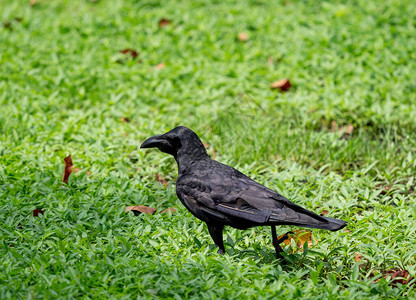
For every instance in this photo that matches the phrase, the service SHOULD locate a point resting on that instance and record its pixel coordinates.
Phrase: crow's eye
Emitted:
(176, 142)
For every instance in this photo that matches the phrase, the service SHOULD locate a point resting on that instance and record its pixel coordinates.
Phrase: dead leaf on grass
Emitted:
(138, 209)
(36, 212)
(283, 85)
(346, 130)
(242, 36)
(396, 276)
(68, 168)
(161, 179)
(125, 120)
(300, 237)
(358, 257)
(164, 22)
(130, 52)
(324, 212)
(160, 66)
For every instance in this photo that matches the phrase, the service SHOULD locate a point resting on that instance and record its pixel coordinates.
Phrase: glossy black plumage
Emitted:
(220, 195)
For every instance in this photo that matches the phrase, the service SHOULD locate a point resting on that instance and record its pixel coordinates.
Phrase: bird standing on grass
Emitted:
(220, 195)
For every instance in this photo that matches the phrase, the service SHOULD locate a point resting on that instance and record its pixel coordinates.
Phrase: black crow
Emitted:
(220, 195)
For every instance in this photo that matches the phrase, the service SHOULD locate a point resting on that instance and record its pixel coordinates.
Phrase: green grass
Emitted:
(62, 92)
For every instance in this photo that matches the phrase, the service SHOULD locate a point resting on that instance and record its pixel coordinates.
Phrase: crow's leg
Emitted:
(216, 233)
(277, 242)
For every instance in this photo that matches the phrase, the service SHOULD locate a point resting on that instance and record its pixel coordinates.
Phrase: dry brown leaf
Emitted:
(300, 237)
(125, 120)
(68, 168)
(138, 209)
(172, 209)
(348, 129)
(242, 36)
(160, 66)
(385, 190)
(334, 126)
(324, 212)
(358, 257)
(396, 276)
(36, 212)
(161, 179)
(130, 52)
(282, 84)
(164, 22)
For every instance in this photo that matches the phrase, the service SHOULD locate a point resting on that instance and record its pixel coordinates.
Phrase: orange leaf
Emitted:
(300, 237)
(242, 36)
(138, 209)
(161, 179)
(164, 22)
(282, 84)
(160, 66)
(68, 168)
(358, 257)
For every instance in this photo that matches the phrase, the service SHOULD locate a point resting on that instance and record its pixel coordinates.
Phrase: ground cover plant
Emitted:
(95, 78)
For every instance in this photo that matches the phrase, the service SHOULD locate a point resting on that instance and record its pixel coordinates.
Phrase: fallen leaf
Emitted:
(300, 237)
(396, 276)
(385, 189)
(164, 22)
(334, 126)
(36, 212)
(130, 52)
(68, 168)
(160, 66)
(324, 212)
(125, 120)
(358, 257)
(161, 179)
(172, 209)
(346, 130)
(242, 36)
(138, 209)
(282, 84)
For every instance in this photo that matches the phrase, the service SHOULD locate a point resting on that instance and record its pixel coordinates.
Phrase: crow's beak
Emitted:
(154, 142)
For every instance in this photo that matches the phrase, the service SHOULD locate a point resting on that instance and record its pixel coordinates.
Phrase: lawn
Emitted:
(341, 141)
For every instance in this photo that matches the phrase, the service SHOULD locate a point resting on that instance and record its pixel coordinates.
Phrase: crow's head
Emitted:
(180, 141)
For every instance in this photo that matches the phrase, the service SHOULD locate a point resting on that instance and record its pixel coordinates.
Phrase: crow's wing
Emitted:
(236, 196)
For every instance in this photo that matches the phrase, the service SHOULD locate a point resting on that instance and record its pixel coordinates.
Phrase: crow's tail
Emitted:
(330, 224)
(296, 215)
